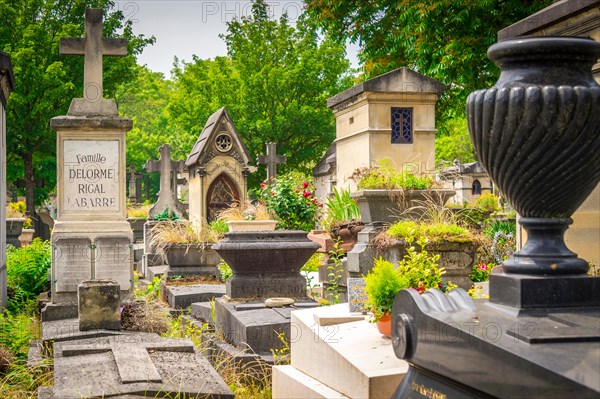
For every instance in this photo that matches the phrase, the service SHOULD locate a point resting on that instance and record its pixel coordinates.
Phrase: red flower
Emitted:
(263, 184)
(304, 185)
(272, 194)
(297, 190)
(305, 194)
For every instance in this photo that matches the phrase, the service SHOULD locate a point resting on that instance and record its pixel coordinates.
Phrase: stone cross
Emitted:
(133, 175)
(167, 198)
(271, 160)
(131, 355)
(93, 46)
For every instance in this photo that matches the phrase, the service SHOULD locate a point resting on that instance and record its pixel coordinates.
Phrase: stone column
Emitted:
(6, 85)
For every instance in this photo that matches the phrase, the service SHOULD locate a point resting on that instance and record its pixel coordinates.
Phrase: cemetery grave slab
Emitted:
(352, 358)
(251, 324)
(147, 366)
(182, 296)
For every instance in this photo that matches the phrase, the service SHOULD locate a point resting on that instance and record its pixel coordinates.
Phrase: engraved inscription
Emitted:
(91, 175)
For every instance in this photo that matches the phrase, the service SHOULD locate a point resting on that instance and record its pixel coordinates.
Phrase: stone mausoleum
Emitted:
(469, 180)
(218, 169)
(393, 116)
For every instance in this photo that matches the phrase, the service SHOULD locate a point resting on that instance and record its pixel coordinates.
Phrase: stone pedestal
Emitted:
(329, 360)
(91, 238)
(99, 305)
(266, 263)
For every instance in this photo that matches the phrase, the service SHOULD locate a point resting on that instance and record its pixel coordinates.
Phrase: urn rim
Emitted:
(536, 48)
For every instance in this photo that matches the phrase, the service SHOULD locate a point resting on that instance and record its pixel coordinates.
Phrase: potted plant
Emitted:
(15, 218)
(136, 216)
(385, 193)
(342, 218)
(417, 270)
(480, 276)
(186, 249)
(26, 233)
(248, 217)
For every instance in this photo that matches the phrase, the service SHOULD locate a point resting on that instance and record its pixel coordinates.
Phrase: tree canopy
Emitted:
(443, 39)
(275, 83)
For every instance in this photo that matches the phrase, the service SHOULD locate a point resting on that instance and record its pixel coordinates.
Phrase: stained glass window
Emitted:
(402, 126)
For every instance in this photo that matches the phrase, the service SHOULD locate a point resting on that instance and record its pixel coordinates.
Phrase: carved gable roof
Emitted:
(209, 142)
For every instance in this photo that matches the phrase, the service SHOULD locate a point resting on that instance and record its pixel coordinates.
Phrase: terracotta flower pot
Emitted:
(384, 324)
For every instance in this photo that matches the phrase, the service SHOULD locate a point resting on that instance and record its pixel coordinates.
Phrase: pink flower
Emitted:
(263, 184)
(483, 266)
(304, 185)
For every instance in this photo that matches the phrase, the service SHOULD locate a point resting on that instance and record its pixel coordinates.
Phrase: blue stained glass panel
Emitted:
(402, 126)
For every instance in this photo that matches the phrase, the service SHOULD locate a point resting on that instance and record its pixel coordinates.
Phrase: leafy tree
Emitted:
(444, 39)
(45, 81)
(286, 75)
(456, 144)
(144, 99)
(274, 83)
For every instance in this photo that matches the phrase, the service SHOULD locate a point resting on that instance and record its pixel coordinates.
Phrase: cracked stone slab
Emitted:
(136, 365)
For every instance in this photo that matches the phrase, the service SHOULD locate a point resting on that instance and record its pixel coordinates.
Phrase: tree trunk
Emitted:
(29, 185)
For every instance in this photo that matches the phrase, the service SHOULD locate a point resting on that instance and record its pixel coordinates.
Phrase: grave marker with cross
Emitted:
(93, 47)
(91, 175)
(271, 160)
(167, 198)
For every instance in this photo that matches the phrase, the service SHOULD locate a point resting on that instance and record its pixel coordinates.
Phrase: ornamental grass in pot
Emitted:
(342, 218)
(247, 216)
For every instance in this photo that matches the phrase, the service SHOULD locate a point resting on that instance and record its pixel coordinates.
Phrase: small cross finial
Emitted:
(93, 46)
(271, 160)
(166, 196)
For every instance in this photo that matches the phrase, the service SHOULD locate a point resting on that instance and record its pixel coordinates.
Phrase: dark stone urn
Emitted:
(537, 133)
(266, 263)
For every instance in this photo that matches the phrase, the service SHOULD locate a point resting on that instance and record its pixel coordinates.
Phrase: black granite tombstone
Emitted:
(537, 133)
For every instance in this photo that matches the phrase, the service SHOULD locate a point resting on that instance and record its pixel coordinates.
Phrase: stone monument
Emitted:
(271, 160)
(391, 115)
(536, 132)
(218, 169)
(91, 238)
(167, 197)
(6, 85)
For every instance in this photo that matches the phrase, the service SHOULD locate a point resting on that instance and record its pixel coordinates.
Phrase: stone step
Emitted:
(291, 383)
(182, 296)
(352, 358)
(156, 271)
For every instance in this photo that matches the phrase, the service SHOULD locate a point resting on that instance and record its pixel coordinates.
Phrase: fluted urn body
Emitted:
(537, 133)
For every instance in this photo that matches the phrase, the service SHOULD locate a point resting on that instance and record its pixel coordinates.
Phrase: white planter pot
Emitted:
(251, 225)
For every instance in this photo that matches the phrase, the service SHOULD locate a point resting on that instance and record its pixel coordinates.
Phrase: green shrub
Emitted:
(166, 214)
(385, 175)
(383, 282)
(27, 272)
(434, 232)
(420, 269)
(294, 205)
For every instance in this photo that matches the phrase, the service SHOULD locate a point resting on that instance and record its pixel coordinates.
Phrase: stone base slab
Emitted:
(351, 358)
(530, 292)
(250, 324)
(182, 296)
(291, 383)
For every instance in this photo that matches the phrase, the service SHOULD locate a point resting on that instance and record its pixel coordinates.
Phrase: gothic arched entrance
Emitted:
(221, 194)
